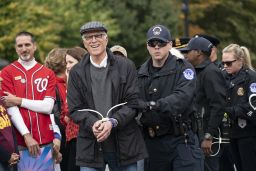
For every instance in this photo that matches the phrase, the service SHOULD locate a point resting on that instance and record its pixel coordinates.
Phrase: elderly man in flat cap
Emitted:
(100, 81)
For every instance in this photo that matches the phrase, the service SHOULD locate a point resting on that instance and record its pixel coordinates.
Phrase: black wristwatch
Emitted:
(208, 136)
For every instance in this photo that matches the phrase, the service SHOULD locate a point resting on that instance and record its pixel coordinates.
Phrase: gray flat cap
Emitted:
(91, 26)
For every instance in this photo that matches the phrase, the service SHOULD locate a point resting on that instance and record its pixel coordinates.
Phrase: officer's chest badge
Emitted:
(240, 91)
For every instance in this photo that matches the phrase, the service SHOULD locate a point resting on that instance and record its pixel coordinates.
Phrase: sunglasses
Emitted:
(159, 43)
(228, 63)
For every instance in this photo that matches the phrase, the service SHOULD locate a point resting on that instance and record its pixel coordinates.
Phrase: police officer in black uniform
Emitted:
(214, 53)
(210, 96)
(167, 87)
(241, 81)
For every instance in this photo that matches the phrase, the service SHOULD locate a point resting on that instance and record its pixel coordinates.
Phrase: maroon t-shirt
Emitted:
(7, 146)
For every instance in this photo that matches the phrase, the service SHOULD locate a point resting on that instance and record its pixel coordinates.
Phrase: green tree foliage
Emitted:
(54, 23)
(230, 22)
(19, 16)
(136, 17)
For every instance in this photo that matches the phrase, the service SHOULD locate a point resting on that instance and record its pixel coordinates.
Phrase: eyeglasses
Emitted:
(159, 43)
(228, 63)
(90, 37)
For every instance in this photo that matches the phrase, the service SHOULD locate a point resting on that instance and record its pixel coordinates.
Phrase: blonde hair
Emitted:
(241, 53)
(55, 60)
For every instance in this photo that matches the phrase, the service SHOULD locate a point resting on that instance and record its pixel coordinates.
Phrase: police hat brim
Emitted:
(158, 38)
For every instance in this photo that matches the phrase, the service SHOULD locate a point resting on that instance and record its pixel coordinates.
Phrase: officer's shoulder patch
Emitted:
(188, 74)
(253, 87)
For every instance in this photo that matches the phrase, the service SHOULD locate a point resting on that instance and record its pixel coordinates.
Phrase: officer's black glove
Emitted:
(231, 113)
(147, 106)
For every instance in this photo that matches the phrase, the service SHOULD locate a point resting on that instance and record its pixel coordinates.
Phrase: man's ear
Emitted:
(35, 46)
(170, 43)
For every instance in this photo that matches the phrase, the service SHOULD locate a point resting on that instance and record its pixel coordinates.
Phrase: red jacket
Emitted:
(72, 129)
(35, 84)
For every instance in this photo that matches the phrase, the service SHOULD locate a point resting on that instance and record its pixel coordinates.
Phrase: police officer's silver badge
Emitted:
(242, 123)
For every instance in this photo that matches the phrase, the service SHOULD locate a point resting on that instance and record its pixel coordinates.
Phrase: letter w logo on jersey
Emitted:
(41, 84)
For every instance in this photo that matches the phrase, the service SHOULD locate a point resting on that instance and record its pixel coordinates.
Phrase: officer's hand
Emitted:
(104, 134)
(32, 145)
(142, 105)
(206, 146)
(147, 106)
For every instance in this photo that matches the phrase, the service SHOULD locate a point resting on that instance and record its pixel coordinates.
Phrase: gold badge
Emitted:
(240, 91)
(151, 132)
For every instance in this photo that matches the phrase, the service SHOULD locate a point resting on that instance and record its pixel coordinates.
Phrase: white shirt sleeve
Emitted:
(55, 127)
(42, 106)
(17, 120)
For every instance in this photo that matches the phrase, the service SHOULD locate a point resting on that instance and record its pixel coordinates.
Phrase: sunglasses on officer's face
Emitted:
(228, 63)
(159, 43)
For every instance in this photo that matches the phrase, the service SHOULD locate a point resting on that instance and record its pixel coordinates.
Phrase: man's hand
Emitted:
(104, 134)
(97, 128)
(56, 150)
(56, 144)
(11, 100)
(14, 159)
(206, 147)
(32, 145)
(66, 119)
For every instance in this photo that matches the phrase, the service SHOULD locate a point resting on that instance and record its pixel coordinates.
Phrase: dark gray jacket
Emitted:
(128, 138)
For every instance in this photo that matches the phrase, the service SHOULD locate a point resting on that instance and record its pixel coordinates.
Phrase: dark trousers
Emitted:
(170, 153)
(244, 152)
(226, 158)
(71, 156)
(211, 163)
(6, 167)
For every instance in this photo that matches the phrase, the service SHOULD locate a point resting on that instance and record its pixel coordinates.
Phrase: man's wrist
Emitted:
(26, 135)
(57, 136)
(114, 122)
(19, 101)
(208, 136)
